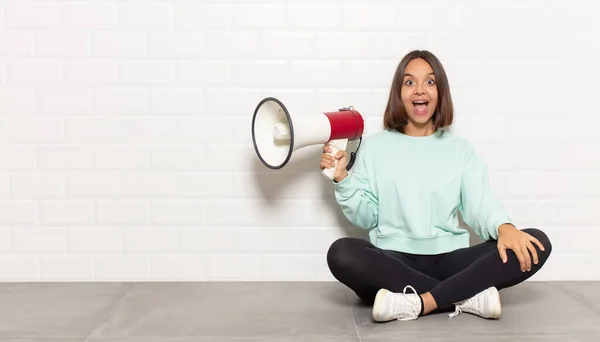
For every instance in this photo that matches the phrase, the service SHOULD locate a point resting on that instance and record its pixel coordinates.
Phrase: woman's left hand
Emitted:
(509, 237)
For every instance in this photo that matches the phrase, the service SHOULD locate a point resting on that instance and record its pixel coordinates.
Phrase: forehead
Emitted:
(418, 67)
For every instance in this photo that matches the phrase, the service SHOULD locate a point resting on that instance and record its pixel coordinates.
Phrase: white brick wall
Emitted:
(125, 149)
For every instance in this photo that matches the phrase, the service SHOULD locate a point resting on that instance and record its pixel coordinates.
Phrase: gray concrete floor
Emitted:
(185, 312)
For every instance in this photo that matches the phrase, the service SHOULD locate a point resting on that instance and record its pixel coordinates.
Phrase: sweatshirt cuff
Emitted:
(500, 220)
(343, 185)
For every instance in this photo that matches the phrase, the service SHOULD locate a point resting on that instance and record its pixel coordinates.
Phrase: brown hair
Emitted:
(395, 116)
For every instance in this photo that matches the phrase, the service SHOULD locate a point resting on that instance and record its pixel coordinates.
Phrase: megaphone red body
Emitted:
(276, 136)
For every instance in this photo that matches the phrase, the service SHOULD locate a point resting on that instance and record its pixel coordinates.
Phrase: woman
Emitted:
(406, 188)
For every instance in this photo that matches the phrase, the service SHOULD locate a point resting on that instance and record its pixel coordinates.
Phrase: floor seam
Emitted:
(110, 312)
(576, 298)
(352, 314)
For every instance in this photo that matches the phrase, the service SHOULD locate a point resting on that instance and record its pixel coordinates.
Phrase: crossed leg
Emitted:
(440, 279)
(466, 272)
(366, 269)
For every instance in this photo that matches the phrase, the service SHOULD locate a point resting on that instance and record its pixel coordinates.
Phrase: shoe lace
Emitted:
(410, 305)
(473, 302)
(455, 313)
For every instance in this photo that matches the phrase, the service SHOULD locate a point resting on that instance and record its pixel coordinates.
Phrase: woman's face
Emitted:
(419, 92)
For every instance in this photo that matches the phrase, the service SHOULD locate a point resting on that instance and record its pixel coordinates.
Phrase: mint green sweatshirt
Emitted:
(406, 191)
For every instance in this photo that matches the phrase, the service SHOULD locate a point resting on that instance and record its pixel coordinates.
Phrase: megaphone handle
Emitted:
(336, 146)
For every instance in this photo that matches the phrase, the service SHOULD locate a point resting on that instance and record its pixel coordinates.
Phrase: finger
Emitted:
(327, 157)
(502, 252)
(526, 256)
(340, 154)
(537, 242)
(533, 252)
(520, 257)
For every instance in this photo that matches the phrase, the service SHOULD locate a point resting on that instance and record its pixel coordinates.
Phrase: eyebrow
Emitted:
(411, 75)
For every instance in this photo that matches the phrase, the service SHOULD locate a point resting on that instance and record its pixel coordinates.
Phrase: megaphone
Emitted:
(276, 136)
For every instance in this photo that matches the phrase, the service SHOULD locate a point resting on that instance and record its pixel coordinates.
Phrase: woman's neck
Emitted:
(419, 131)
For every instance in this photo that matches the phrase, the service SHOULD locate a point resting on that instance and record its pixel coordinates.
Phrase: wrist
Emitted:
(505, 227)
(340, 178)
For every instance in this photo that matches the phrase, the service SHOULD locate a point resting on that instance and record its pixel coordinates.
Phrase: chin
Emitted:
(421, 118)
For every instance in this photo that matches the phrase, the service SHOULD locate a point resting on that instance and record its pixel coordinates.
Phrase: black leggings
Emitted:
(449, 277)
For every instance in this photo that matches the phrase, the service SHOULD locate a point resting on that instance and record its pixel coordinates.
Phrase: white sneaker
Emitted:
(396, 306)
(485, 304)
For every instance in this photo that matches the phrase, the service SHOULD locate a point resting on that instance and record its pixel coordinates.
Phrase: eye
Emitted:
(431, 82)
(409, 82)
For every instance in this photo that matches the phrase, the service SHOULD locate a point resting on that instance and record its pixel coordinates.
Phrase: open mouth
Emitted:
(421, 107)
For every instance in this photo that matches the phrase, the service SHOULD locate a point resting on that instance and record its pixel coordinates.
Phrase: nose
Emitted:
(419, 89)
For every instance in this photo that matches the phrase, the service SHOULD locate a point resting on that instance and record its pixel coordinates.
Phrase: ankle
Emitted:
(428, 303)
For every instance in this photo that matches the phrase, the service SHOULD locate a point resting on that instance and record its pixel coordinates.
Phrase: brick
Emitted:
(232, 44)
(46, 240)
(17, 157)
(314, 16)
(121, 157)
(145, 15)
(175, 44)
(177, 158)
(96, 240)
(177, 101)
(67, 268)
(178, 212)
(132, 101)
(67, 212)
(37, 185)
(64, 157)
(151, 240)
(191, 15)
(118, 44)
(147, 184)
(207, 240)
(370, 17)
(342, 45)
(17, 100)
(122, 212)
(206, 129)
(276, 44)
(90, 129)
(4, 240)
(232, 267)
(91, 72)
(440, 15)
(31, 15)
(192, 72)
(61, 101)
(263, 15)
(238, 100)
(149, 129)
(34, 129)
(315, 73)
(33, 72)
(93, 184)
(66, 44)
(147, 72)
(16, 44)
(88, 15)
(119, 267)
(19, 268)
(264, 73)
(4, 188)
(178, 267)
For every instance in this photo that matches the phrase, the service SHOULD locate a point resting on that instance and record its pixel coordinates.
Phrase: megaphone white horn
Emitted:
(276, 136)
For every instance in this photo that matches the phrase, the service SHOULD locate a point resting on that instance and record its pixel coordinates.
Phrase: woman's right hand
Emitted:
(327, 161)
